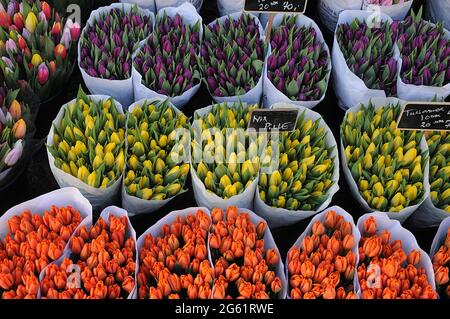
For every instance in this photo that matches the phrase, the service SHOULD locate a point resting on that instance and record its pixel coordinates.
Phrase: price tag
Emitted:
(425, 116)
(276, 6)
(282, 120)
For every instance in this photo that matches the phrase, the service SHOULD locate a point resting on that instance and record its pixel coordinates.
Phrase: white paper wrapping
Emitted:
(321, 217)
(191, 17)
(133, 204)
(208, 199)
(329, 11)
(409, 242)
(155, 231)
(271, 93)
(121, 90)
(438, 10)
(278, 217)
(349, 88)
(230, 6)
(410, 92)
(99, 198)
(254, 95)
(88, 222)
(161, 4)
(144, 4)
(439, 239)
(404, 213)
(396, 11)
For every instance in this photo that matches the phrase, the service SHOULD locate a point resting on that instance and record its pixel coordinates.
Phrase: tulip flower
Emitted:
(154, 167)
(43, 74)
(167, 269)
(232, 56)
(255, 277)
(424, 51)
(369, 53)
(231, 175)
(41, 244)
(107, 45)
(387, 164)
(383, 274)
(168, 60)
(299, 63)
(441, 267)
(88, 143)
(303, 178)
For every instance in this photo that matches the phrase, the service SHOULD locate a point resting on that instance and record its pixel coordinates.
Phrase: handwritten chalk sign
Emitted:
(276, 6)
(425, 116)
(282, 120)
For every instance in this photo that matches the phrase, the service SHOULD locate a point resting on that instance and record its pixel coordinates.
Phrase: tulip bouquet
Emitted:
(306, 175)
(299, 66)
(166, 65)
(154, 172)
(37, 45)
(439, 146)
(87, 142)
(441, 260)
(385, 165)
(323, 263)
(370, 53)
(232, 58)
(388, 271)
(246, 261)
(424, 49)
(225, 160)
(104, 254)
(32, 242)
(13, 129)
(174, 260)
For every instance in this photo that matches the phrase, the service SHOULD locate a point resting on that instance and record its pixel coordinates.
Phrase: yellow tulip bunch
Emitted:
(154, 168)
(387, 164)
(89, 141)
(305, 170)
(439, 146)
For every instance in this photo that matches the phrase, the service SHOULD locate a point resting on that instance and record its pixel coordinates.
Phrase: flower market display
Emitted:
(104, 253)
(324, 265)
(154, 169)
(299, 66)
(441, 260)
(38, 47)
(439, 147)
(32, 242)
(244, 266)
(232, 57)
(173, 259)
(370, 53)
(166, 64)
(386, 165)
(387, 270)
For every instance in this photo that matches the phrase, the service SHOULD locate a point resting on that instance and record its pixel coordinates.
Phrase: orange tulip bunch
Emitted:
(441, 266)
(243, 267)
(385, 271)
(32, 243)
(102, 264)
(175, 264)
(324, 266)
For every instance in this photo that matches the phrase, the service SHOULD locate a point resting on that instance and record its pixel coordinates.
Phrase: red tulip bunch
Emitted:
(324, 266)
(385, 271)
(102, 264)
(32, 243)
(243, 267)
(175, 264)
(441, 266)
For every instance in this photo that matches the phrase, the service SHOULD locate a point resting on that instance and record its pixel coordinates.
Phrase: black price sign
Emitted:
(425, 116)
(276, 6)
(282, 120)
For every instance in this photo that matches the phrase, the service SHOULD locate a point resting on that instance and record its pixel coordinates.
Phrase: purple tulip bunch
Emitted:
(298, 65)
(369, 53)
(232, 56)
(168, 60)
(108, 44)
(425, 52)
